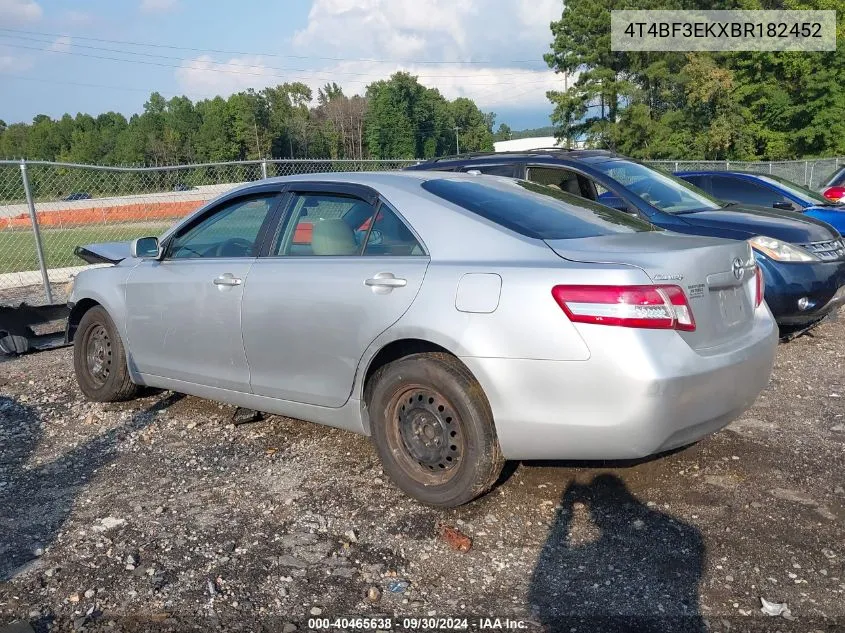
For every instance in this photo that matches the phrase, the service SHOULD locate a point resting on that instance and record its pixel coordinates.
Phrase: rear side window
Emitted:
(494, 170)
(535, 210)
(744, 191)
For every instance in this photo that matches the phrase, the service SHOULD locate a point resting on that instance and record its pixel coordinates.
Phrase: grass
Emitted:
(17, 247)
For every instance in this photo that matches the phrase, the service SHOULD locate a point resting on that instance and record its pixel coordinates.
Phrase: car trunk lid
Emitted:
(716, 275)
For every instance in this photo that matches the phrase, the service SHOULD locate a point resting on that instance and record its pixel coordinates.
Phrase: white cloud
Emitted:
(204, 76)
(158, 6)
(61, 44)
(12, 63)
(441, 30)
(19, 11)
(498, 44)
(489, 87)
(78, 18)
(494, 49)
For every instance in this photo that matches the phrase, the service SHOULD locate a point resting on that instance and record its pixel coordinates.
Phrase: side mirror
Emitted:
(786, 206)
(147, 247)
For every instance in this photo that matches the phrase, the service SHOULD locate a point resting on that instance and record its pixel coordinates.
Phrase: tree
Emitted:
(475, 128)
(744, 105)
(504, 133)
(397, 117)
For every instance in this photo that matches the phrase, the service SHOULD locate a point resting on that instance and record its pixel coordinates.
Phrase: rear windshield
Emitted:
(535, 210)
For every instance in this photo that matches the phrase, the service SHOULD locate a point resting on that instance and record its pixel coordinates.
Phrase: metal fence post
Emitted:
(806, 165)
(264, 168)
(39, 248)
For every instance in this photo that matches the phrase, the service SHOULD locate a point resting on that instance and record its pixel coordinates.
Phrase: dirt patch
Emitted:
(159, 514)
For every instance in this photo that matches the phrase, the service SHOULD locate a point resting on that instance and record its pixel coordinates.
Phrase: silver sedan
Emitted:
(460, 320)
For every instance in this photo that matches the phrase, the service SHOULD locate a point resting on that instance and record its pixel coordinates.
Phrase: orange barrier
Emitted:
(142, 212)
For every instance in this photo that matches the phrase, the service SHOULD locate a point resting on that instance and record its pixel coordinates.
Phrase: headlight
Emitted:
(781, 251)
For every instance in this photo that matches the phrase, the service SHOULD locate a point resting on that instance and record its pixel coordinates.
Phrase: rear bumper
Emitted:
(641, 392)
(823, 284)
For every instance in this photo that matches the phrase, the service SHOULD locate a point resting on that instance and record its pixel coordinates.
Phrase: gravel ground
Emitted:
(159, 514)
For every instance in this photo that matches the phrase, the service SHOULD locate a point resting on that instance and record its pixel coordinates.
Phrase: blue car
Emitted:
(767, 191)
(802, 258)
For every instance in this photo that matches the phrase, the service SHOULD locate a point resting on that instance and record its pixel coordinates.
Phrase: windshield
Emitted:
(797, 190)
(660, 190)
(534, 210)
(838, 179)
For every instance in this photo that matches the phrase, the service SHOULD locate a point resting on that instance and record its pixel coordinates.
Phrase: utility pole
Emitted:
(457, 140)
(257, 144)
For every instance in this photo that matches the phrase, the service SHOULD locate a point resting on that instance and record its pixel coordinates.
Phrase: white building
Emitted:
(534, 142)
(524, 144)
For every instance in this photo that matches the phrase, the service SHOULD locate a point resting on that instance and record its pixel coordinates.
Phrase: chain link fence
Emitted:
(48, 209)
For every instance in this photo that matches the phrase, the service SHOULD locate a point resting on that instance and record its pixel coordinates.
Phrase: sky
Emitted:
(94, 56)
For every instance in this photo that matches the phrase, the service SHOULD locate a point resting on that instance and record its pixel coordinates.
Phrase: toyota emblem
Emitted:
(738, 268)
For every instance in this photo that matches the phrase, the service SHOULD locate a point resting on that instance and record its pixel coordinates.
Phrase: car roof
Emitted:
(408, 180)
(718, 172)
(551, 155)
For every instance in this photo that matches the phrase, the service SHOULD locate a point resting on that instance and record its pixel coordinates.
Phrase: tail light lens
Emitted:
(654, 307)
(834, 193)
(759, 286)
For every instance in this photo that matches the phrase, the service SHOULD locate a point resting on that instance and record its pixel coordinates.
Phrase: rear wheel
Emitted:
(99, 359)
(433, 429)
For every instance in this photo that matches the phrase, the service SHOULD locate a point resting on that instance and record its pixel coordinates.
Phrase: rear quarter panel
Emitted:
(526, 324)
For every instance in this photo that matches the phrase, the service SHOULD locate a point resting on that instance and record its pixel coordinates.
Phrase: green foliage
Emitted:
(407, 120)
(743, 106)
(398, 118)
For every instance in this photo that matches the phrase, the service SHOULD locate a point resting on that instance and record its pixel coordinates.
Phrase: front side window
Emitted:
(535, 210)
(325, 225)
(231, 231)
(658, 189)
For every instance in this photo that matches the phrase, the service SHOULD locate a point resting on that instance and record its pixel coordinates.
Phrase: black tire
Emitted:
(433, 429)
(99, 359)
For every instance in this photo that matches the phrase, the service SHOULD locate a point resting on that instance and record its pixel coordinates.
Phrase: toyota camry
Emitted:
(459, 320)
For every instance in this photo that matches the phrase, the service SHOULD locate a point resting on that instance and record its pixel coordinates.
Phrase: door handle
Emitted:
(227, 279)
(385, 282)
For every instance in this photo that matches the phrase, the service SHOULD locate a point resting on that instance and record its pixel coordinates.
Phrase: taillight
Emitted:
(834, 193)
(759, 286)
(656, 307)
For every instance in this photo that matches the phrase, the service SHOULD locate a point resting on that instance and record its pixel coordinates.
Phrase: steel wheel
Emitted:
(426, 435)
(98, 354)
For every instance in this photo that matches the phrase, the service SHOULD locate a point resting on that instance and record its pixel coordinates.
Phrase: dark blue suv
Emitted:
(803, 259)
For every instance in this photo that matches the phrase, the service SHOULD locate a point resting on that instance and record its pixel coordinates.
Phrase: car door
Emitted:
(342, 268)
(183, 311)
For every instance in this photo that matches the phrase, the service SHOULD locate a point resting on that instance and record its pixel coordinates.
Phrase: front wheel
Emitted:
(99, 359)
(433, 429)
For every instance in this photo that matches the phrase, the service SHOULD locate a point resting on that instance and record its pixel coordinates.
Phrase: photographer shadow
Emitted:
(36, 501)
(611, 564)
